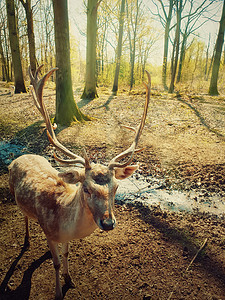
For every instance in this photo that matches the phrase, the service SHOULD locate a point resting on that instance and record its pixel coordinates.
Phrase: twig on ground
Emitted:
(188, 267)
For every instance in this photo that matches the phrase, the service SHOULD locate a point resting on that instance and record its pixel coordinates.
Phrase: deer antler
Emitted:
(37, 93)
(132, 149)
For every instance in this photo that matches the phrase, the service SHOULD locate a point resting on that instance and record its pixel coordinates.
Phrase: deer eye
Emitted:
(85, 189)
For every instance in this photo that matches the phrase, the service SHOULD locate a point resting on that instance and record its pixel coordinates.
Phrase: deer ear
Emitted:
(122, 173)
(72, 176)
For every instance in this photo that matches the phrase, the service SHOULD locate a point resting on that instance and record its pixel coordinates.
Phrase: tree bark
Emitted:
(210, 65)
(7, 46)
(90, 91)
(119, 48)
(182, 56)
(132, 42)
(15, 49)
(30, 33)
(177, 42)
(166, 44)
(66, 108)
(207, 59)
(213, 90)
(5, 72)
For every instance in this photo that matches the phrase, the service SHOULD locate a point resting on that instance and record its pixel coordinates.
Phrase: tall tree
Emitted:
(207, 58)
(213, 90)
(90, 91)
(146, 40)
(15, 49)
(30, 33)
(168, 17)
(4, 44)
(176, 44)
(192, 23)
(66, 108)
(164, 13)
(119, 47)
(133, 16)
(101, 48)
(5, 72)
(46, 35)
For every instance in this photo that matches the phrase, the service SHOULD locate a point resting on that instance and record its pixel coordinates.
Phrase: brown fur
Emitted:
(65, 211)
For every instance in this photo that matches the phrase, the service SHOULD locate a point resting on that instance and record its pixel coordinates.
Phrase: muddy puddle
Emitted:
(154, 193)
(137, 188)
(9, 151)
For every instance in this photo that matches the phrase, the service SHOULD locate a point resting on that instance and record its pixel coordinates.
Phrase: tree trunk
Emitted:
(173, 57)
(90, 91)
(177, 41)
(210, 65)
(5, 72)
(182, 56)
(8, 62)
(196, 64)
(166, 44)
(224, 55)
(119, 48)
(66, 108)
(213, 90)
(30, 33)
(207, 59)
(15, 50)
(132, 42)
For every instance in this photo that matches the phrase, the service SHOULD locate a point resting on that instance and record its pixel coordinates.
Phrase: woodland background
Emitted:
(147, 256)
(188, 28)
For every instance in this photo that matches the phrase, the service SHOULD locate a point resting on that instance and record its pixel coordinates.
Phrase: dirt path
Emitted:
(147, 254)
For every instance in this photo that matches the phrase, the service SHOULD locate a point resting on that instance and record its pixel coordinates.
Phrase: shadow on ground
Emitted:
(157, 219)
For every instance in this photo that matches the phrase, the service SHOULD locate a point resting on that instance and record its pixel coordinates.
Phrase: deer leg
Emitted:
(56, 262)
(27, 236)
(66, 274)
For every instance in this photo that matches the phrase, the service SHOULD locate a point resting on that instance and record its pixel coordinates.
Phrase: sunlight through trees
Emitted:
(112, 43)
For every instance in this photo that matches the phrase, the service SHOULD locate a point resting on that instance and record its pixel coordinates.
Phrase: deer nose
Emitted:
(108, 224)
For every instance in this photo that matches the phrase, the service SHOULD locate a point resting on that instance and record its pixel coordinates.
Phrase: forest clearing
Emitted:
(146, 255)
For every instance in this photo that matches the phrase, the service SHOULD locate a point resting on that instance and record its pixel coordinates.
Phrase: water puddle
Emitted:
(154, 193)
(9, 151)
(139, 189)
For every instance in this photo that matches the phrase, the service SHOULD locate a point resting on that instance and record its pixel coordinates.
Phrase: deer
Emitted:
(70, 204)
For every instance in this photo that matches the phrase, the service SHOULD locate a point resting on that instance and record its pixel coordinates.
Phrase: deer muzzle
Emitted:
(108, 224)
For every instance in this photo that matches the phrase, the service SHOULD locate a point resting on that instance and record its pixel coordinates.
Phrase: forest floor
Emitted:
(148, 254)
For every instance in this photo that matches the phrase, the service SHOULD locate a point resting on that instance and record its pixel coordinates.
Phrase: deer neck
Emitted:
(79, 219)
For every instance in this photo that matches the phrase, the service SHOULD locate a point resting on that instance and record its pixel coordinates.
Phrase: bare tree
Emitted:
(4, 46)
(164, 13)
(90, 91)
(103, 20)
(207, 58)
(176, 45)
(192, 23)
(167, 22)
(45, 37)
(134, 14)
(15, 49)
(66, 108)
(48, 47)
(5, 73)
(30, 33)
(119, 47)
(213, 90)
(4, 56)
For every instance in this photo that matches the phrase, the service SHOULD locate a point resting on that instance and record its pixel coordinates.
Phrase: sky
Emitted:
(77, 17)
